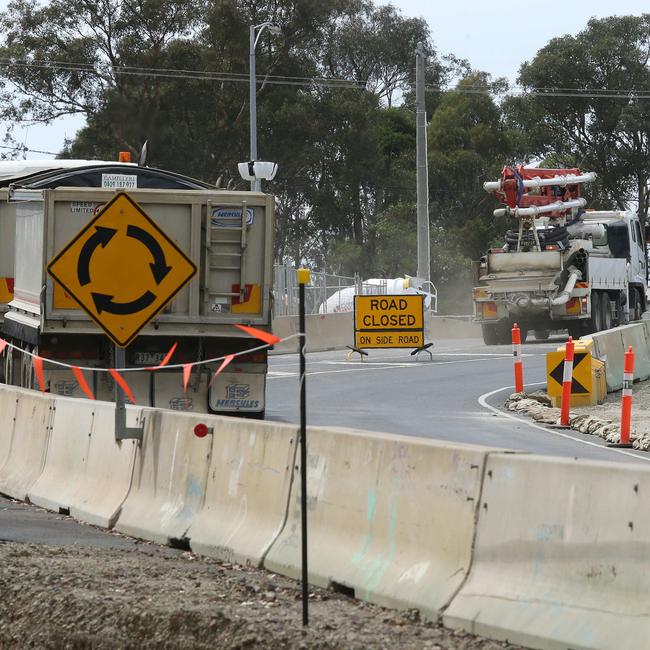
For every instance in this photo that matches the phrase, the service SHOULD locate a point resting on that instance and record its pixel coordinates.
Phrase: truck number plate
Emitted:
(148, 358)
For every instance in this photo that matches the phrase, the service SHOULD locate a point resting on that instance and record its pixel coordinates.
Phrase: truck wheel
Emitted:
(636, 305)
(490, 334)
(595, 322)
(606, 311)
(542, 335)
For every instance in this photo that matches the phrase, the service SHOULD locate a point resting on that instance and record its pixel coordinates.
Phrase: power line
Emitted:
(23, 149)
(627, 94)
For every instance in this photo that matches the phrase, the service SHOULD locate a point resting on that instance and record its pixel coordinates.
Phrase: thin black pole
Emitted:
(303, 454)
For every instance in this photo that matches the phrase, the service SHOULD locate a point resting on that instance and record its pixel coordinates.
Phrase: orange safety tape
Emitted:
(38, 369)
(83, 384)
(122, 384)
(224, 363)
(165, 361)
(267, 337)
(187, 371)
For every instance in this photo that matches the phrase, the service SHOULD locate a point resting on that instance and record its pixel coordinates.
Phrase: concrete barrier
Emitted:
(390, 517)
(446, 327)
(611, 345)
(247, 491)
(8, 406)
(335, 331)
(171, 470)
(104, 483)
(608, 347)
(560, 558)
(635, 335)
(324, 332)
(29, 435)
(67, 452)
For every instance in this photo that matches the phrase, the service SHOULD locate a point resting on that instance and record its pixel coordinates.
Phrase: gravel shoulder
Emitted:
(141, 595)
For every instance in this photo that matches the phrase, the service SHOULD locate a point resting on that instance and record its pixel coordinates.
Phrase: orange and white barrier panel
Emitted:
(516, 353)
(567, 380)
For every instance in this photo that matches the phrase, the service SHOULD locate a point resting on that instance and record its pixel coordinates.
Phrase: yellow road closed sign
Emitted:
(389, 321)
(122, 269)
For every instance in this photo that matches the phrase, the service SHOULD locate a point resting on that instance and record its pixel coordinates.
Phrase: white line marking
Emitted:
(482, 401)
(394, 364)
(367, 367)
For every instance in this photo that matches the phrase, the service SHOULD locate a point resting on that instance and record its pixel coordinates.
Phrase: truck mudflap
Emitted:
(238, 392)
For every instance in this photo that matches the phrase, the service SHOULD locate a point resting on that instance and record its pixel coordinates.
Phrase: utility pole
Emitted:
(424, 245)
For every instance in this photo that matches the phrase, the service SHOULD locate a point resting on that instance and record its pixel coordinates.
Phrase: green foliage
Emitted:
(396, 246)
(469, 143)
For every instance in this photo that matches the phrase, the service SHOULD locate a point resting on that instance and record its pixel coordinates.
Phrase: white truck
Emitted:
(562, 267)
(229, 237)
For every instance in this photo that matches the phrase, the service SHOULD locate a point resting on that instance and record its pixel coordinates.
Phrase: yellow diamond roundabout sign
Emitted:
(122, 269)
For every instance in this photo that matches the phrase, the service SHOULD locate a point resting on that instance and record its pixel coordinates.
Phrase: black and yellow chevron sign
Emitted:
(581, 383)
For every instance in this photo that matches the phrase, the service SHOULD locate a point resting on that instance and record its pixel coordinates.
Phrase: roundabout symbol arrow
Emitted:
(159, 266)
(104, 302)
(100, 237)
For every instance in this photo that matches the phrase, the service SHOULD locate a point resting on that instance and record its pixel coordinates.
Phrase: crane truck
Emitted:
(228, 236)
(562, 266)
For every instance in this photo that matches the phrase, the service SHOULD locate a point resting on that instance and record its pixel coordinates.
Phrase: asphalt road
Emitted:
(456, 396)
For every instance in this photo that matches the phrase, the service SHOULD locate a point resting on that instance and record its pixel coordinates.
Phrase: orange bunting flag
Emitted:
(267, 337)
(224, 363)
(119, 380)
(165, 361)
(38, 369)
(79, 376)
(187, 371)
(3, 345)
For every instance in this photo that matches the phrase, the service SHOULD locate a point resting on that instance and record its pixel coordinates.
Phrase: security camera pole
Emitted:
(256, 183)
(424, 245)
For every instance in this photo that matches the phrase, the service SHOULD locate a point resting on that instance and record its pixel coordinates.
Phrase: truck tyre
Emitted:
(490, 334)
(606, 312)
(636, 305)
(595, 322)
(542, 335)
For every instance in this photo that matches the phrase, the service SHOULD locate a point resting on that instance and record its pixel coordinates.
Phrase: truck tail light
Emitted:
(489, 310)
(573, 306)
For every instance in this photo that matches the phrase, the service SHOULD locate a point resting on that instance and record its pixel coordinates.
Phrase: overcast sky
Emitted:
(492, 36)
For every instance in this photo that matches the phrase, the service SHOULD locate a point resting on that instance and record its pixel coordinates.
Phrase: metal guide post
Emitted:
(122, 432)
(303, 279)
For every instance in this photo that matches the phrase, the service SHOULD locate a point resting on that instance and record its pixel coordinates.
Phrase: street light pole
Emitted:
(253, 106)
(254, 36)
(423, 242)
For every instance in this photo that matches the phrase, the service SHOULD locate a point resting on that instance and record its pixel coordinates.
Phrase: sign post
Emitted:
(122, 269)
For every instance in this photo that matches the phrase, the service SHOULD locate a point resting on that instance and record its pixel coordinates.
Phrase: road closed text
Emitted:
(389, 321)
